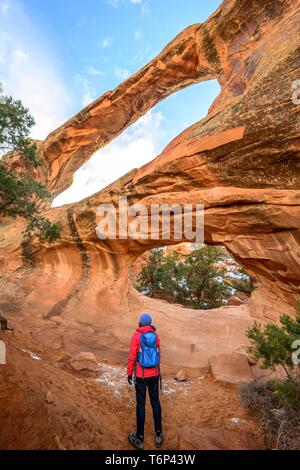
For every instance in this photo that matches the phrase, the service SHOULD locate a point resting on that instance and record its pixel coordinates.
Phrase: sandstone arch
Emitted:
(241, 161)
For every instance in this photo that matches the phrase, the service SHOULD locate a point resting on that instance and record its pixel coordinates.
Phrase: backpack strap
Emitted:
(143, 370)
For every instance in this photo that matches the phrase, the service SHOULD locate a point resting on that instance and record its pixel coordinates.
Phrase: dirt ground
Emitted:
(44, 405)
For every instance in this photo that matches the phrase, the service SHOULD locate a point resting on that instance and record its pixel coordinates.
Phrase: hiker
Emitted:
(144, 363)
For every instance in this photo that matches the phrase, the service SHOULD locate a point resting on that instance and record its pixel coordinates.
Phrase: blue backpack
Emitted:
(149, 355)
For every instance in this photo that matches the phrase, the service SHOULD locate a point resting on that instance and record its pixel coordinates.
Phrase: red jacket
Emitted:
(134, 350)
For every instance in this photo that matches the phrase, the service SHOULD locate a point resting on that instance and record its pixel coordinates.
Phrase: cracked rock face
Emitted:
(241, 162)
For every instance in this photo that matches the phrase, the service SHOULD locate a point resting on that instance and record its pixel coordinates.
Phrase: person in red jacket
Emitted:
(145, 378)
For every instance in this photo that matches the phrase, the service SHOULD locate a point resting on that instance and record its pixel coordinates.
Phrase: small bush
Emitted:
(287, 393)
(280, 422)
(276, 403)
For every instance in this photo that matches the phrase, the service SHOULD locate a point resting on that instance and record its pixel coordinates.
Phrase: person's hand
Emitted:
(130, 379)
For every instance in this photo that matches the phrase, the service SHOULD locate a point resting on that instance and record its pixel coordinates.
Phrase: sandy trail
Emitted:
(46, 406)
(200, 402)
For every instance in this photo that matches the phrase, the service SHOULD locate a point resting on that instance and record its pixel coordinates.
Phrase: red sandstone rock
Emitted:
(84, 361)
(231, 368)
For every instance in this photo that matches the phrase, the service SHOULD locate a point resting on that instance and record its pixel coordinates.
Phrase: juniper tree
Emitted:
(19, 192)
(195, 281)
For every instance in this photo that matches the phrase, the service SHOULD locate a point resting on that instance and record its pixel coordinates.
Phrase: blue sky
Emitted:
(59, 55)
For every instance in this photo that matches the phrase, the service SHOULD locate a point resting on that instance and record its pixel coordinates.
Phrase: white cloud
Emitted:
(117, 3)
(138, 35)
(20, 57)
(88, 95)
(81, 80)
(87, 99)
(95, 72)
(132, 149)
(145, 10)
(5, 7)
(4, 46)
(113, 3)
(106, 42)
(29, 74)
(122, 74)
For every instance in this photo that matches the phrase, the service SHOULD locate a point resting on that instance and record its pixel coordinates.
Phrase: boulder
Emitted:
(231, 368)
(84, 361)
(231, 437)
(181, 376)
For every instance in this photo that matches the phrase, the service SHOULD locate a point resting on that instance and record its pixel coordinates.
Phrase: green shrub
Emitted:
(276, 403)
(273, 344)
(287, 393)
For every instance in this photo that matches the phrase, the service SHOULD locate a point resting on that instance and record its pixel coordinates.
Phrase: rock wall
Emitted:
(241, 162)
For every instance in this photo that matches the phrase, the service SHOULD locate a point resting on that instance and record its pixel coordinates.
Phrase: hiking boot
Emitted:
(159, 439)
(135, 441)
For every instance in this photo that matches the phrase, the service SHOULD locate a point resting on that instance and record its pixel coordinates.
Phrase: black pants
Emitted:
(141, 385)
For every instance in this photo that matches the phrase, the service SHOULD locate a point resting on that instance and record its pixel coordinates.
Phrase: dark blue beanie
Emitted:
(145, 319)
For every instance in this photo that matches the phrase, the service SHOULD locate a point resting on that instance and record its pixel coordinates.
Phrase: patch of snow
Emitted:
(236, 420)
(171, 385)
(32, 355)
(167, 390)
(114, 378)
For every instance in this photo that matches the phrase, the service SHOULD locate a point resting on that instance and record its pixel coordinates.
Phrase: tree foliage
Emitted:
(277, 345)
(241, 281)
(273, 344)
(19, 192)
(195, 281)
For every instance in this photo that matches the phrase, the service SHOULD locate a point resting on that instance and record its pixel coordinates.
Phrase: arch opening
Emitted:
(142, 141)
(195, 276)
